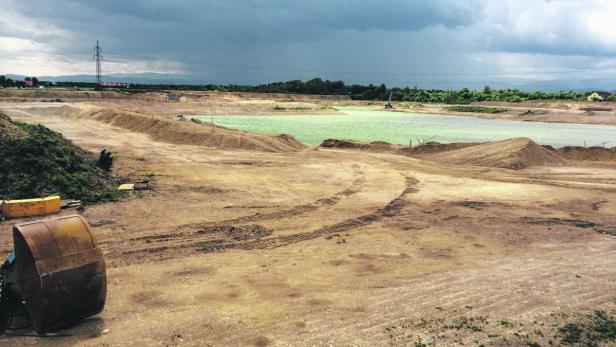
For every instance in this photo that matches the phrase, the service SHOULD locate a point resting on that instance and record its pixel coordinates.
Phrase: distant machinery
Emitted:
(388, 105)
(176, 97)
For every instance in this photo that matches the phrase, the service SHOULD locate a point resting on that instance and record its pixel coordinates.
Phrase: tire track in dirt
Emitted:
(206, 237)
(354, 188)
(510, 292)
(517, 294)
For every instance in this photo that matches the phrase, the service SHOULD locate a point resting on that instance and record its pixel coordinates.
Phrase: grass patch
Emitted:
(477, 109)
(36, 162)
(593, 329)
(323, 106)
(472, 323)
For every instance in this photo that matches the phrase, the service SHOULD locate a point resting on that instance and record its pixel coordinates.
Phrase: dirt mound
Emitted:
(204, 134)
(435, 147)
(8, 129)
(290, 141)
(36, 162)
(382, 146)
(62, 110)
(587, 153)
(62, 94)
(517, 153)
(335, 143)
(376, 146)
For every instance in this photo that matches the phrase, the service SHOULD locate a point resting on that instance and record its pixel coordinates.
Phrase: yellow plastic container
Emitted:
(127, 186)
(30, 207)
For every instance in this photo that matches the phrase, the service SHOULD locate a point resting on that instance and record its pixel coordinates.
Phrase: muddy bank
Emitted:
(586, 153)
(166, 129)
(200, 134)
(512, 154)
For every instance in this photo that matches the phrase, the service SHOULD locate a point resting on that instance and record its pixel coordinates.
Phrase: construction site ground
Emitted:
(335, 247)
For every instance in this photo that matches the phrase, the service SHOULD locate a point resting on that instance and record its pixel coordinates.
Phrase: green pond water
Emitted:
(364, 124)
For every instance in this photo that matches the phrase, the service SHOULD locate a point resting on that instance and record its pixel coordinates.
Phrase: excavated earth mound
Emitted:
(587, 153)
(382, 146)
(200, 134)
(36, 161)
(8, 129)
(435, 147)
(516, 153)
(376, 146)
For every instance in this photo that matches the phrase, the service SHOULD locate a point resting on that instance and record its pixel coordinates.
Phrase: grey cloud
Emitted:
(263, 40)
(250, 22)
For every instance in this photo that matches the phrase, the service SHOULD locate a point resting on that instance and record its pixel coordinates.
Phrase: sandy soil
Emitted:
(223, 103)
(531, 111)
(335, 247)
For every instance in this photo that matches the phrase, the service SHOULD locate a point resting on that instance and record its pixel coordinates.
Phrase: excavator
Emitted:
(55, 276)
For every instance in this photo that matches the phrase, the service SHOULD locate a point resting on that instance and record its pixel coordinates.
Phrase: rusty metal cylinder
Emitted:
(60, 271)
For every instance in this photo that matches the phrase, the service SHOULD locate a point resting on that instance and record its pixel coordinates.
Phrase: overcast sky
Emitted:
(436, 43)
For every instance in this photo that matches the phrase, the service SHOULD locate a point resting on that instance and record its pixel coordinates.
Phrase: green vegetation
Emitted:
(420, 343)
(477, 109)
(36, 162)
(595, 328)
(319, 86)
(472, 323)
(378, 92)
(9, 82)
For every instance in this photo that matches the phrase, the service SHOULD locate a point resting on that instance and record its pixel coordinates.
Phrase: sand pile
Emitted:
(62, 110)
(517, 153)
(62, 94)
(208, 135)
(376, 146)
(8, 129)
(435, 147)
(382, 146)
(587, 153)
(335, 143)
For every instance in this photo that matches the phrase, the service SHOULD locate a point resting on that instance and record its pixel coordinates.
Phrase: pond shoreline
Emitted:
(367, 124)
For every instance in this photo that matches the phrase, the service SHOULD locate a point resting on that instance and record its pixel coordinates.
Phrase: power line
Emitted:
(98, 56)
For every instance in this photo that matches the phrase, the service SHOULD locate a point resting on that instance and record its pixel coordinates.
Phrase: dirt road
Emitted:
(321, 247)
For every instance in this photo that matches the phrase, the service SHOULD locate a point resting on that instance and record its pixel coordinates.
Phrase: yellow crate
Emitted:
(127, 186)
(31, 207)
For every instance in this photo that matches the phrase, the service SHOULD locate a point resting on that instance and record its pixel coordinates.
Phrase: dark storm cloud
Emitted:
(359, 41)
(153, 25)
(336, 15)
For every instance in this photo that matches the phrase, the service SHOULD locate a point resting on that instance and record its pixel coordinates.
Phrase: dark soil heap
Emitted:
(36, 162)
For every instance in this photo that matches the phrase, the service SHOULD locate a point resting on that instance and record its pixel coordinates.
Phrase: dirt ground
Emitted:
(333, 247)
(580, 112)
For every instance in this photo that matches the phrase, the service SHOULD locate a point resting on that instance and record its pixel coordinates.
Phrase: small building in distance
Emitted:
(176, 97)
(115, 85)
(598, 96)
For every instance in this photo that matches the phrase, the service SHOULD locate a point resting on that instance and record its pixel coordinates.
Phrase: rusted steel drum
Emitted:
(60, 271)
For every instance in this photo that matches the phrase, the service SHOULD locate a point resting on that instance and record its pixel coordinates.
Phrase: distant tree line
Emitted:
(381, 92)
(9, 82)
(371, 92)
